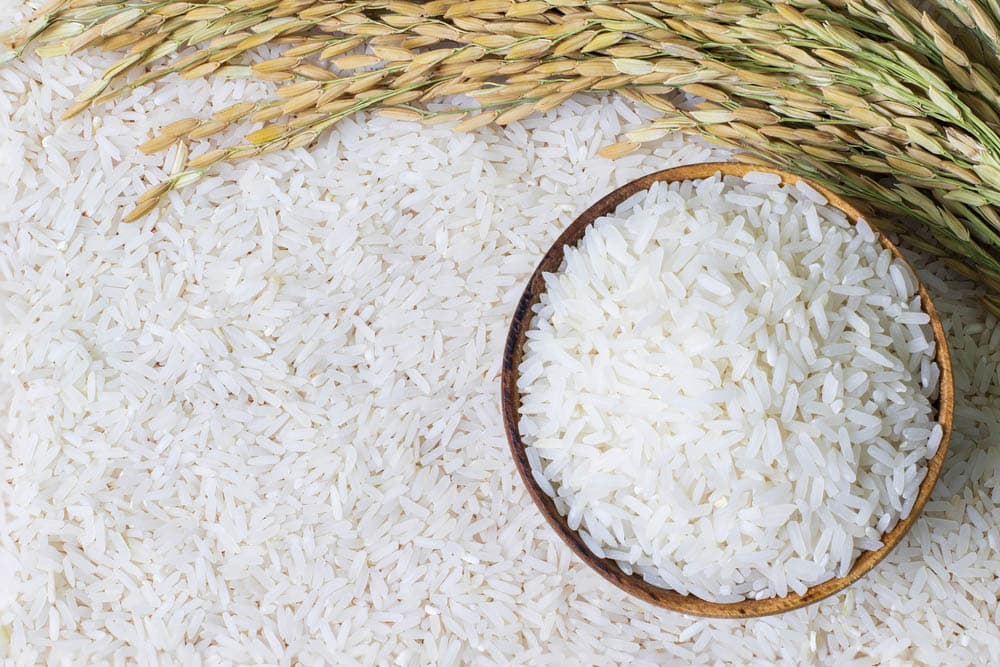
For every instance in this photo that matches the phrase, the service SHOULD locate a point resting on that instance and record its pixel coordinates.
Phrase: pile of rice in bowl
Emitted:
(727, 388)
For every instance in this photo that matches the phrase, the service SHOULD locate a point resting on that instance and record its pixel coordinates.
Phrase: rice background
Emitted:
(262, 426)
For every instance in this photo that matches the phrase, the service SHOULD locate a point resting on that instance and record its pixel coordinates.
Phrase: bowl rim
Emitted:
(608, 569)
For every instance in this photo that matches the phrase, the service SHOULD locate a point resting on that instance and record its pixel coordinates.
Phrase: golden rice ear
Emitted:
(475, 122)
(620, 149)
(141, 210)
(777, 75)
(157, 144)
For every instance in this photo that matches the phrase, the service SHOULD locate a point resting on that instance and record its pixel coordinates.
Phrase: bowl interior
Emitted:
(634, 584)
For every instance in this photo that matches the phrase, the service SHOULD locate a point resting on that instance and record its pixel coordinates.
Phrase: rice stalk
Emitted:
(876, 99)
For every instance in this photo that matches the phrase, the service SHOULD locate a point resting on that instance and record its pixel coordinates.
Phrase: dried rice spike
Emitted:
(478, 7)
(277, 77)
(355, 62)
(281, 64)
(314, 72)
(551, 101)
(301, 102)
(296, 89)
(526, 9)
(206, 159)
(266, 135)
(141, 210)
(515, 114)
(75, 109)
(443, 117)
(179, 128)
(307, 120)
(200, 71)
(207, 129)
(302, 140)
(400, 113)
(477, 121)
(392, 53)
(602, 41)
(620, 149)
(157, 144)
(529, 49)
(154, 193)
(337, 106)
(267, 114)
(802, 78)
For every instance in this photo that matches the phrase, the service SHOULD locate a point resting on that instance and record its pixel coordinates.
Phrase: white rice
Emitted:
(356, 518)
(684, 434)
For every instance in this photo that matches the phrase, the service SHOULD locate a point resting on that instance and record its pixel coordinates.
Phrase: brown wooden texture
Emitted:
(634, 584)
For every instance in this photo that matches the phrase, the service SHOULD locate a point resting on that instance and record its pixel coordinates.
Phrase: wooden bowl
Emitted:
(607, 568)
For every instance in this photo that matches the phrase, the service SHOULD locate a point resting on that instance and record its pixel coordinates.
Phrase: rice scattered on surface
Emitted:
(724, 391)
(154, 510)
